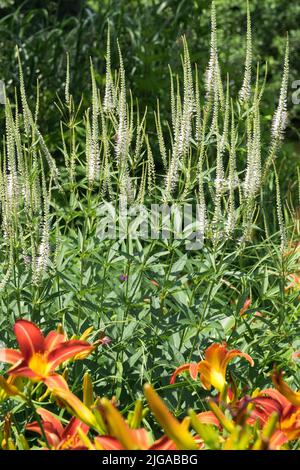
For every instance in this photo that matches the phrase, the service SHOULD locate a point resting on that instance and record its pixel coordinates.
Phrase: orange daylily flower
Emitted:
(262, 407)
(39, 356)
(58, 437)
(213, 368)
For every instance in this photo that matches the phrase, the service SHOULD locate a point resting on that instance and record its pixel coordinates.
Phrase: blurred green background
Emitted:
(149, 32)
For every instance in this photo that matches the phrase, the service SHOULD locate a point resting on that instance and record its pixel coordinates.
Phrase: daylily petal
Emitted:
(164, 443)
(215, 353)
(109, 443)
(264, 408)
(49, 430)
(275, 395)
(72, 428)
(285, 390)
(290, 425)
(56, 382)
(29, 337)
(22, 370)
(141, 436)
(208, 417)
(192, 368)
(296, 355)
(49, 417)
(67, 350)
(205, 376)
(235, 352)
(53, 340)
(277, 440)
(11, 356)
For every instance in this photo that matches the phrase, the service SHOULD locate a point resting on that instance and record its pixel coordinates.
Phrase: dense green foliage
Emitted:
(160, 304)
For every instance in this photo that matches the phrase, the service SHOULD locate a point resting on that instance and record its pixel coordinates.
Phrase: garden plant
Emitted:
(149, 258)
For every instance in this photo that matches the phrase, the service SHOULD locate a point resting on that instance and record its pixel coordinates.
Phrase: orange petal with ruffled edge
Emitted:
(234, 353)
(206, 379)
(191, 367)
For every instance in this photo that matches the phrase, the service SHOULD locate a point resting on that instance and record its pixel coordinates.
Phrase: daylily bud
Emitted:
(137, 415)
(263, 441)
(22, 442)
(118, 427)
(86, 334)
(88, 394)
(182, 438)
(60, 329)
(226, 423)
(8, 387)
(11, 444)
